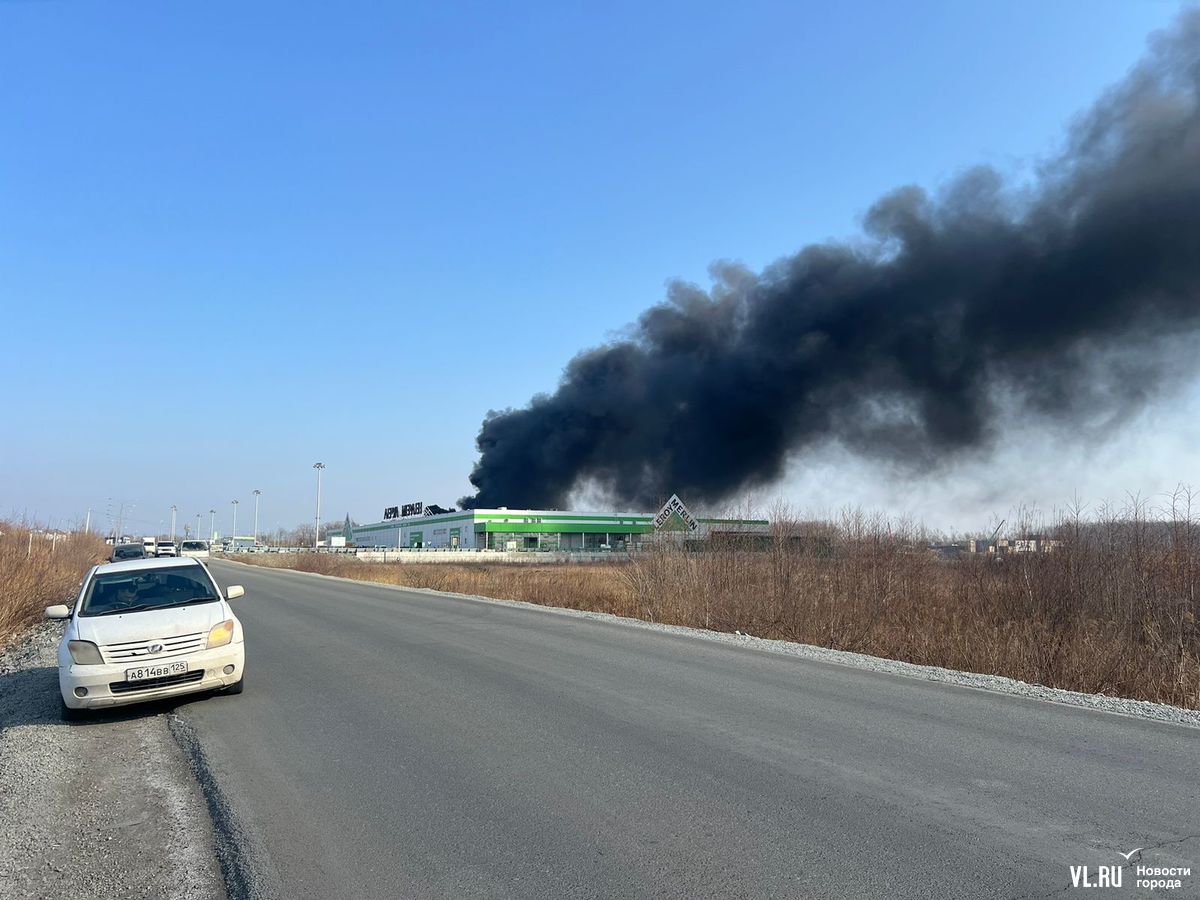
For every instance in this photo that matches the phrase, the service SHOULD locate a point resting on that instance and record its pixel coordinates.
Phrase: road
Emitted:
(397, 744)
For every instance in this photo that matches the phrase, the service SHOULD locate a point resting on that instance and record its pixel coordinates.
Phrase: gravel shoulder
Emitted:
(105, 808)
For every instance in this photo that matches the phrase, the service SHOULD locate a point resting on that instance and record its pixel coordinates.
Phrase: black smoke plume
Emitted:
(1057, 300)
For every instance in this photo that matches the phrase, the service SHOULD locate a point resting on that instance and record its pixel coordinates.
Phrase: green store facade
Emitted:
(536, 529)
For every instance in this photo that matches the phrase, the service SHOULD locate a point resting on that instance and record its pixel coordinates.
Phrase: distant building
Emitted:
(541, 529)
(1004, 546)
(948, 551)
(1034, 545)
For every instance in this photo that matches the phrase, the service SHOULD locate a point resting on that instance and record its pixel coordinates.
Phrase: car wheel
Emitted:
(72, 715)
(236, 688)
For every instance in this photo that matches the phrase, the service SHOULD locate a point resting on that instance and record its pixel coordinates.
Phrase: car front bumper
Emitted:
(97, 680)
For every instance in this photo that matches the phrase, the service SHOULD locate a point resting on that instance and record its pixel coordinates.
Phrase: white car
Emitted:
(198, 549)
(148, 629)
(166, 548)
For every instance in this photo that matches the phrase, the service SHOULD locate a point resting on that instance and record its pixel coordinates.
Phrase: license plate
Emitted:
(162, 670)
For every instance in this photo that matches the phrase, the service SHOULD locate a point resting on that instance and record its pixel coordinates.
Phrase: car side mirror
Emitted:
(234, 591)
(58, 612)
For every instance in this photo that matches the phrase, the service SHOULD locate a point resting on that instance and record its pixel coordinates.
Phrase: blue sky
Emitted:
(237, 238)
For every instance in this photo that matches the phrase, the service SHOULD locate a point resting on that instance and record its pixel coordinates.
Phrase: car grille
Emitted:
(150, 684)
(139, 650)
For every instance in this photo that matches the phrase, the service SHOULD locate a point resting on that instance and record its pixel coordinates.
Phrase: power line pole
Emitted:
(121, 517)
(173, 509)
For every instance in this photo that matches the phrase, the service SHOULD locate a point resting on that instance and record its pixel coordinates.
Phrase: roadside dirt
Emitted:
(105, 808)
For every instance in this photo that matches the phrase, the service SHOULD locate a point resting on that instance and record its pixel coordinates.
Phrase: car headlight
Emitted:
(221, 634)
(85, 653)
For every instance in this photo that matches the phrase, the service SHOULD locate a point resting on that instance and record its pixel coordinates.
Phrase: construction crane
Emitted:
(992, 540)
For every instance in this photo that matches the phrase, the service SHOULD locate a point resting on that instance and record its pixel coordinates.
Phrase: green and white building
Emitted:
(542, 529)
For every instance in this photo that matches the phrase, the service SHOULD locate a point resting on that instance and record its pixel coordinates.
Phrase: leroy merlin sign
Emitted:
(674, 516)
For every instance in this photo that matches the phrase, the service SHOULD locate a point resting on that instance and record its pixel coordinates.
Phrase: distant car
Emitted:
(149, 544)
(166, 548)
(122, 552)
(197, 549)
(147, 629)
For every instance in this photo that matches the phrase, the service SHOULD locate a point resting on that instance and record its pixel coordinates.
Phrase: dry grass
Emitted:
(592, 587)
(40, 572)
(1113, 610)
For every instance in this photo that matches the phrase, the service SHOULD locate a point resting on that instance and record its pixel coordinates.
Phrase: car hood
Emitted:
(150, 623)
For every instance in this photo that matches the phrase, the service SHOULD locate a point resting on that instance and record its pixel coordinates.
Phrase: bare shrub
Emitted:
(592, 587)
(38, 570)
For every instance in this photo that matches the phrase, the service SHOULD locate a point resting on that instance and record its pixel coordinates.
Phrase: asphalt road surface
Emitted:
(394, 744)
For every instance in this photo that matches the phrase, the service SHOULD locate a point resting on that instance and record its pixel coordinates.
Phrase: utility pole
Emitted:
(197, 524)
(87, 525)
(173, 509)
(212, 524)
(257, 494)
(233, 536)
(317, 521)
(121, 517)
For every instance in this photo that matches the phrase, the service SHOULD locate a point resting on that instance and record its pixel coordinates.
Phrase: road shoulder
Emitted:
(104, 808)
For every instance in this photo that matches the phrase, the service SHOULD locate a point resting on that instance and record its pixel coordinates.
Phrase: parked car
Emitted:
(166, 548)
(147, 629)
(198, 549)
(127, 551)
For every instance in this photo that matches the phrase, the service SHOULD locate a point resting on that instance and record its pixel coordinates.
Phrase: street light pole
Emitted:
(257, 494)
(317, 521)
(212, 524)
(234, 535)
(197, 525)
(173, 509)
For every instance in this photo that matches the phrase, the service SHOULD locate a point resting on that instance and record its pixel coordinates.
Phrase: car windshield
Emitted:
(193, 545)
(117, 592)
